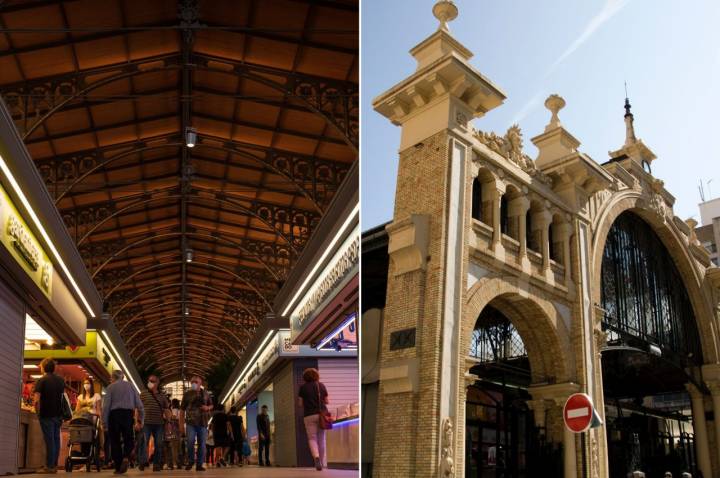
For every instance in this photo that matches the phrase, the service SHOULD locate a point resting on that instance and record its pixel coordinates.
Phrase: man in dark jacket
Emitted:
(263, 426)
(48, 396)
(236, 422)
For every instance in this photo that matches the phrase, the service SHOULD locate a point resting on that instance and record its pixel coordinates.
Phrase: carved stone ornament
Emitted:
(510, 147)
(461, 119)
(658, 206)
(447, 463)
(595, 454)
(601, 338)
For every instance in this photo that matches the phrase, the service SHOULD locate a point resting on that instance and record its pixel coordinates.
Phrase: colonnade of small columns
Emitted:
(523, 217)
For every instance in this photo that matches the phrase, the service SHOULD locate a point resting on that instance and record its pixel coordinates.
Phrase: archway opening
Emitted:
(501, 434)
(651, 354)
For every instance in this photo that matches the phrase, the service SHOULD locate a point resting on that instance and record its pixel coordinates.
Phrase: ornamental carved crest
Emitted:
(447, 463)
(510, 147)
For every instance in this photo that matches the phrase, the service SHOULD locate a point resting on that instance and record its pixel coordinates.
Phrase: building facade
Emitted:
(514, 282)
(709, 232)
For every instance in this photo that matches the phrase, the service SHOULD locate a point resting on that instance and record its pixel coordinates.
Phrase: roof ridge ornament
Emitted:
(445, 11)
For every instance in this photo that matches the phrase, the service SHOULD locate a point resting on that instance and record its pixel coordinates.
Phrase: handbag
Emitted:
(246, 448)
(65, 408)
(166, 412)
(324, 417)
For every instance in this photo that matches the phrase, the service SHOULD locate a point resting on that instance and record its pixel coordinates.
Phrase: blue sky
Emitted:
(667, 51)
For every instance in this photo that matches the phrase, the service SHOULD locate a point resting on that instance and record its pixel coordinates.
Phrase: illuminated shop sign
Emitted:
(344, 260)
(22, 244)
(277, 344)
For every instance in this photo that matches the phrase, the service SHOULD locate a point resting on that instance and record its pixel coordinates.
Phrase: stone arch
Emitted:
(673, 240)
(539, 323)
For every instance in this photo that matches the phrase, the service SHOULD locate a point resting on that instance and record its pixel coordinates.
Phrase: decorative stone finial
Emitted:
(445, 11)
(554, 103)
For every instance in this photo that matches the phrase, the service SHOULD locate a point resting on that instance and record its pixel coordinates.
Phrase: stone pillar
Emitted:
(497, 194)
(517, 209)
(715, 393)
(700, 427)
(558, 394)
(541, 221)
(569, 454)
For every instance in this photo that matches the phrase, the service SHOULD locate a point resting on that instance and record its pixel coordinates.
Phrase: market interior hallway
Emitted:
(246, 471)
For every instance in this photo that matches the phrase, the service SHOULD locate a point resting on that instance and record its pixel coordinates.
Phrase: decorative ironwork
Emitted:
(495, 338)
(643, 293)
(33, 102)
(402, 339)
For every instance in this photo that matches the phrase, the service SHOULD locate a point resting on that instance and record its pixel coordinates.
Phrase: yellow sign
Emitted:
(23, 246)
(94, 348)
(89, 350)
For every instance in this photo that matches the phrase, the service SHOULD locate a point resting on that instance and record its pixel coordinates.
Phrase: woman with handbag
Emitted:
(313, 398)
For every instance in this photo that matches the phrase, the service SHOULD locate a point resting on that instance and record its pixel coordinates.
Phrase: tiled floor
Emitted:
(244, 472)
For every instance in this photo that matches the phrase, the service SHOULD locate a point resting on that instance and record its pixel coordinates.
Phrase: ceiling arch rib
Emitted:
(123, 324)
(194, 264)
(202, 286)
(321, 96)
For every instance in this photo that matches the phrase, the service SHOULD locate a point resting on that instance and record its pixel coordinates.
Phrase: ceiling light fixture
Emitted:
(190, 137)
(188, 255)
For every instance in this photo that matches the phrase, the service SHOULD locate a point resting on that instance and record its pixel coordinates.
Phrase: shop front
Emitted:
(43, 285)
(102, 353)
(320, 302)
(270, 375)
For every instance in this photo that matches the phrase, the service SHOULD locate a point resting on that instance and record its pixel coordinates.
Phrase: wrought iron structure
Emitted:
(643, 293)
(495, 338)
(276, 112)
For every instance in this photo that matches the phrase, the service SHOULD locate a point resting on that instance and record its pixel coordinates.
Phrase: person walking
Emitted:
(238, 437)
(89, 406)
(195, 408)
(171, 451)
(313, 399)
(263, 427)
(122, 402)
(222, 432)
(48, 396)
(157, 409)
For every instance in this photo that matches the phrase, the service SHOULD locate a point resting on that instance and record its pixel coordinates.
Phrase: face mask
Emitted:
(194, 386)
(151, 385)
(87, 386)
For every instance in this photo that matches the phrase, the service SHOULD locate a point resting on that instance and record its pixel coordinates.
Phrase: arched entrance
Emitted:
(652, 355)
(513, 345)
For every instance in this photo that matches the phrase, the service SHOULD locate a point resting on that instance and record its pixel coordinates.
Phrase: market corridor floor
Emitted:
(244, 472)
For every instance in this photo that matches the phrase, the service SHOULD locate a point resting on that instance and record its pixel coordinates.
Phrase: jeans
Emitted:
(157, 432)
(51, 433)
(316, 437)
(264, 444)
(199, 432)
(120, 425)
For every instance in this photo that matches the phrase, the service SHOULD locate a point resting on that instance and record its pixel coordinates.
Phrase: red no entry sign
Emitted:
(578, 412)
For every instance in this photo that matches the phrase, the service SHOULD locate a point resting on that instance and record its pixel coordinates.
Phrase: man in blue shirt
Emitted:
(121, 402)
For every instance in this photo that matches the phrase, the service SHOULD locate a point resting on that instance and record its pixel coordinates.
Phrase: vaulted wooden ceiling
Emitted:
(103, 93)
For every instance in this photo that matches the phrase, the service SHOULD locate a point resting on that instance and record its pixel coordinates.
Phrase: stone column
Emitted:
(715, 393)
(517, 209)
(541, 220)
(569, 453)
(497, 193)
(700, 427)
(558, 394)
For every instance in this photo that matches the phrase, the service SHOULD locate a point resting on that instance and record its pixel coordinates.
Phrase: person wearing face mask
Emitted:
(89, 406)
(195, 411)
(157, 410)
